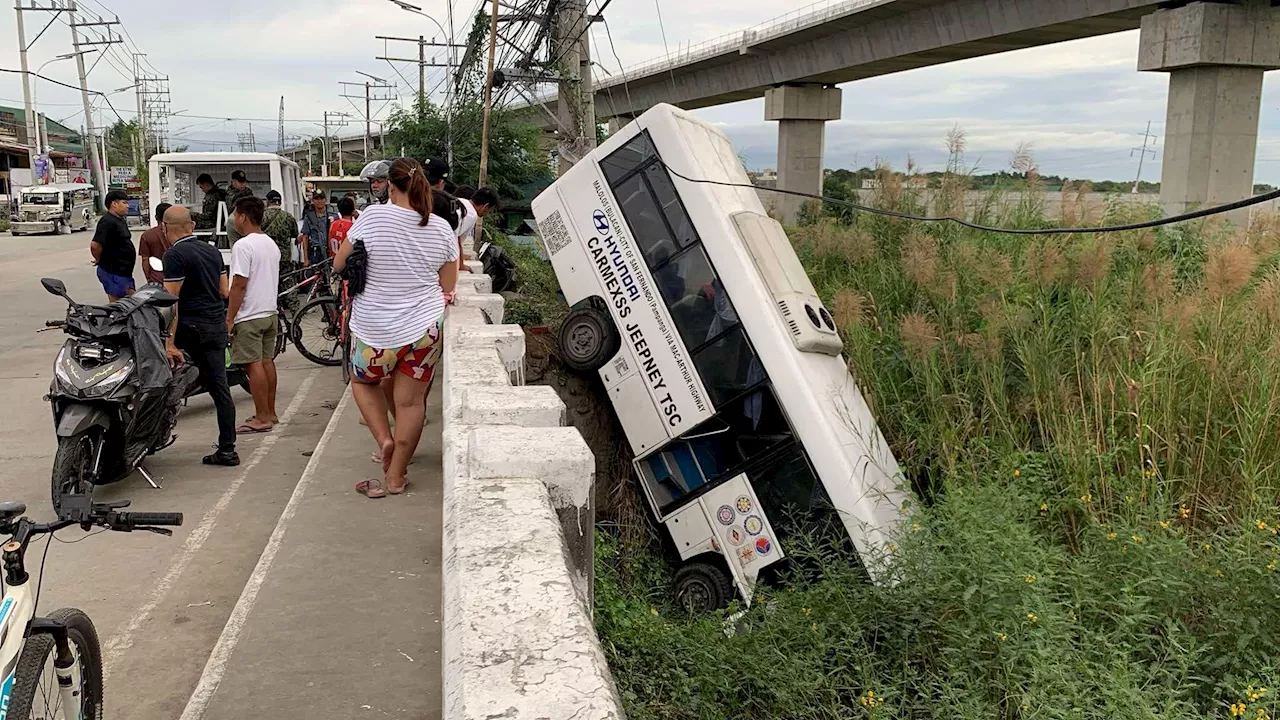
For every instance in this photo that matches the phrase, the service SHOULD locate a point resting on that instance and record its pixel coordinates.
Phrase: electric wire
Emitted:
(1172, 219)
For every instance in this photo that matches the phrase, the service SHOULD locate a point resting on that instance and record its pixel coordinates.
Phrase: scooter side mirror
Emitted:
(156, 263)
(55, 287)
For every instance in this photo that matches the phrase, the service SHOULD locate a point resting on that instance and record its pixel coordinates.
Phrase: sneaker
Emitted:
(228, 458)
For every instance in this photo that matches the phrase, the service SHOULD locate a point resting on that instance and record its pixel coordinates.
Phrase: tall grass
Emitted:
(1092, 425)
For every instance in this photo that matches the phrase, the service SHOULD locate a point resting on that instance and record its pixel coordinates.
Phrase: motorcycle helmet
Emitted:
(377, 170)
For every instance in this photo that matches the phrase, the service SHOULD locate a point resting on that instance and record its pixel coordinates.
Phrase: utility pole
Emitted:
(575, 104)
(378, 85)
(423, 64)
(280, 140)
(324, 141)
(488, 96)
(95, 166)
(30, 119)
(139, 91)
(1142, 155)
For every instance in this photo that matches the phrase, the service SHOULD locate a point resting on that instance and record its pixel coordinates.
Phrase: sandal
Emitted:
(401, 490)
(247, 429)
(371, 488)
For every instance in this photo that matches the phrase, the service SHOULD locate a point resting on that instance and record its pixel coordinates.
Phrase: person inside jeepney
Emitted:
(208, 216)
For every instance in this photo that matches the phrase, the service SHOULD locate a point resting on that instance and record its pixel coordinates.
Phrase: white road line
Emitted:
(216, 667)
(123, 638)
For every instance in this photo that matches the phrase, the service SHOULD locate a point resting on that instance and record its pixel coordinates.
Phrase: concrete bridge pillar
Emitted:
(1215, 55)
(619, 122)
(802, 112)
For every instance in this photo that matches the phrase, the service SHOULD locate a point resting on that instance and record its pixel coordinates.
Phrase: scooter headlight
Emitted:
(60, 368)
(108, 384)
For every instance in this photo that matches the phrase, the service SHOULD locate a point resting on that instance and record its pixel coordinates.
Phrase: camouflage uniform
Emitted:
(282, 227)
(209, 210)
(233, 196)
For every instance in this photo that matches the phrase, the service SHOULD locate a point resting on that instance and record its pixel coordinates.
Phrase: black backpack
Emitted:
(356, 269)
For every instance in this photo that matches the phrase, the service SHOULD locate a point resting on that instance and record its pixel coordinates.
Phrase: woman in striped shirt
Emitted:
(397, 322)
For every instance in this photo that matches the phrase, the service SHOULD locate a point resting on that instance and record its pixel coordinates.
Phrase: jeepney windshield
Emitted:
(42, 198)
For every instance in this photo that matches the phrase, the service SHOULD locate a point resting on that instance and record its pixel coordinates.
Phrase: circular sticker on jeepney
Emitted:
(763, 546)
(744, 504)
(736, 536)
(753, 524)
(725, 515)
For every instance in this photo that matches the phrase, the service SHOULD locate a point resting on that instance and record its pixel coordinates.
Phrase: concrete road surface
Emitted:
(160, 604)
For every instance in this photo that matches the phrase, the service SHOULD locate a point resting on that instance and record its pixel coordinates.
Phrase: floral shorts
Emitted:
(417, 359)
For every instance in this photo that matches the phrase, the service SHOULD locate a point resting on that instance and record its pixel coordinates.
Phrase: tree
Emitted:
(514, 155)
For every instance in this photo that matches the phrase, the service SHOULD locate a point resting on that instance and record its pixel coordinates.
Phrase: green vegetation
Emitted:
(1092, 426)
(535, 301)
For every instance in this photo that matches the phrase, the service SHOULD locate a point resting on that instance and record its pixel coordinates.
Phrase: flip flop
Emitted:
(371, 488)
(247, 429)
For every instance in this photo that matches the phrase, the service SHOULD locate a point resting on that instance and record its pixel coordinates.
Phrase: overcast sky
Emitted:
(1081, 104)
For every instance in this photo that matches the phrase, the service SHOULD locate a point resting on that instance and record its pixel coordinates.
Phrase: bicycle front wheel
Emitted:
(317, 331)
(35, 685)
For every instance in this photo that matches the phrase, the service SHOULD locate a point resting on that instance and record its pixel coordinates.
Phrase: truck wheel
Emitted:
(702, 587)
(588, 339)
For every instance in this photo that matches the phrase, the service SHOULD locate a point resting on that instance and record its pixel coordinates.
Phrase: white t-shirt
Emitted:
(256, 257)
(402, 298)
(467, 225)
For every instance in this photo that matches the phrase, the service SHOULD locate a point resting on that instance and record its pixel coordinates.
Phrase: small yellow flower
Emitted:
(806, 612)
(653, 612)
(814, 627)
(1017, 472)
(1238, 709)
(1262, 525)
(1184, 511)
(1165, 524)
(1044, 507)
(870, 700)
(1271, 566)
(1111, 536)
(1029, 579)
(1255, 694)
(1002, 636)
(1217, 573)
(1032, 618)
(915, 526)
(1136, 538)
(1086, 498)
(892, 547)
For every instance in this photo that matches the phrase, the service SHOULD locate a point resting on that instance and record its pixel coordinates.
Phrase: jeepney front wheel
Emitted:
(702, 587)
(588, 338)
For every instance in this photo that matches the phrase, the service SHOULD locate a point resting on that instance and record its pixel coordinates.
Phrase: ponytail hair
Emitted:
(409, 178)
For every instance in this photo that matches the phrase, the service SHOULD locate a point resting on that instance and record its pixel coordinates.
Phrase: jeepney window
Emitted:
(645, 218)
(698, 303)
(787, 488)
(665, 193)
(42, 198)
(718, 448)
(627, 158)
(728, 366)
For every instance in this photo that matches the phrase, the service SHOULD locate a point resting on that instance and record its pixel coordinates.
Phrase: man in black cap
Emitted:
(437, 173)
(280, 225)
(314, 234)
(239, 189)
(112, 247)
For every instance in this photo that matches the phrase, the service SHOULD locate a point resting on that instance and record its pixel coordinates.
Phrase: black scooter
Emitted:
(114, 398)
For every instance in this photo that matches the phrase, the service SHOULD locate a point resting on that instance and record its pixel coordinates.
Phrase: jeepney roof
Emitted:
(219, 158)
(55, 187)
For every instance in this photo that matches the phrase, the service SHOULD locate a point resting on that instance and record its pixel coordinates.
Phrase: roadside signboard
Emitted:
(122, 174)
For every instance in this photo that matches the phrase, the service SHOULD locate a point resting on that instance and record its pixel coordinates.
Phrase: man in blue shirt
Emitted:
(315, 228)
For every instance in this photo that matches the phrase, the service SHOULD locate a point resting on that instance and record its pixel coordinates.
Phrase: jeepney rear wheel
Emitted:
(588, 339)
(702, 587)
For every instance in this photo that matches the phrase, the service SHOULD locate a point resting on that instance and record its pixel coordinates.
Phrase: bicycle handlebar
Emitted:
(137, 519)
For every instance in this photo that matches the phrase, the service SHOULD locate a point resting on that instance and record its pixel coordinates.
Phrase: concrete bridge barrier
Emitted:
(518, 637)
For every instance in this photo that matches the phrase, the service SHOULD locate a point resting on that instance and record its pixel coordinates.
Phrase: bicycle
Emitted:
(316, 328)
(72, 686)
